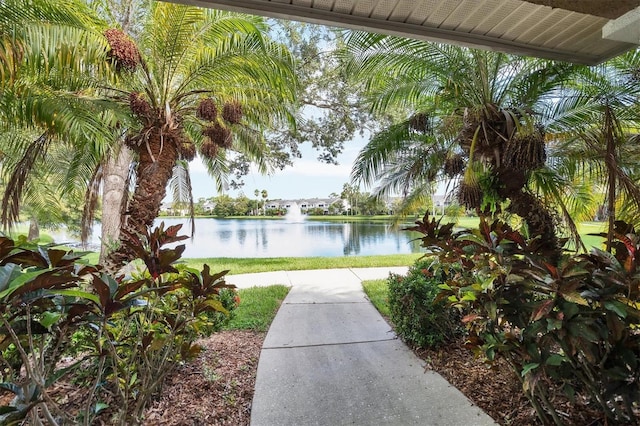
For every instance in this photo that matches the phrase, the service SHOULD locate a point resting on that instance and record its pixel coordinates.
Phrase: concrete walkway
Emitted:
(329, 358)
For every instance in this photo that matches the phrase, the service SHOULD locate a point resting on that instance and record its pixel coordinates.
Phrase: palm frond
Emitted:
(182, 190)
(18, 180)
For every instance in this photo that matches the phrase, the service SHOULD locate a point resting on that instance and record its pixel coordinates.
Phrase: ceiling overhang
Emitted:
(566, 30)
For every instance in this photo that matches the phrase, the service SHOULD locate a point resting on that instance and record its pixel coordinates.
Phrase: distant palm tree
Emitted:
(265, 194)
(257, 194)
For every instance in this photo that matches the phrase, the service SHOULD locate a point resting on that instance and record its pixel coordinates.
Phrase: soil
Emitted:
(216, 388)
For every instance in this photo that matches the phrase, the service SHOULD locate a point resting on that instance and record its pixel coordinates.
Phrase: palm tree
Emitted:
(597, 125)
(474, 117)
(264, 194)
(201, 80)
(257, 194)
(52, 51)
(197, 78)
(406, 158)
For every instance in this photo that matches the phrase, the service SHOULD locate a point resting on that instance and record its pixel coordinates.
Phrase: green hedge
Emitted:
(417, 319)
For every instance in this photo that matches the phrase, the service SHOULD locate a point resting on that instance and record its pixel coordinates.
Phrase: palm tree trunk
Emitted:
(34, 230)
(116, 176)
(610, 162)
(157, 158)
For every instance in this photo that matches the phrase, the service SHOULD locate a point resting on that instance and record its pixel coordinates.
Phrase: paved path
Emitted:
(329, 358)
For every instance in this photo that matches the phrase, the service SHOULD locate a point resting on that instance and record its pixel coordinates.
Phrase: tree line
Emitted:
(358, 203)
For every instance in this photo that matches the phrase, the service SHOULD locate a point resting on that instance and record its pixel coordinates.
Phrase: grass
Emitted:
(258, 307)
(377, 292)
(267, 264)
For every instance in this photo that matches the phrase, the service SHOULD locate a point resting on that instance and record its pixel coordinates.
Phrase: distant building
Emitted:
(442, 201)
(208, 206)
(307, 204)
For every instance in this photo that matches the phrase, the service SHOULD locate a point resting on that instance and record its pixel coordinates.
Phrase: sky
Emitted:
(307, 178)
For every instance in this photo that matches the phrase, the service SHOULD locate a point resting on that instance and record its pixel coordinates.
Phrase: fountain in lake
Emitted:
(294, 214)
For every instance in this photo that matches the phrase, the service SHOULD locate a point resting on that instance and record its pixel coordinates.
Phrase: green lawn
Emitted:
(249, 265)
(377, 292)
(258, 307)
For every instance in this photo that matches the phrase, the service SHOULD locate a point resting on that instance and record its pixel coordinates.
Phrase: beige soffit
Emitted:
(568, 30)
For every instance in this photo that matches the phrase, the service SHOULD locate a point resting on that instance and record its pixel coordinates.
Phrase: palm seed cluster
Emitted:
(127, 57)
(122, 49)
(421, 123)
(217, 135)
(454, 165)
(497, 139)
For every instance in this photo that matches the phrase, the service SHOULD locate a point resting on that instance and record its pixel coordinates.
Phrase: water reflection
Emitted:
(276, 238)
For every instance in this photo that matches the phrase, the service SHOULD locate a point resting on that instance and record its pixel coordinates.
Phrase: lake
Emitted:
(283, 238)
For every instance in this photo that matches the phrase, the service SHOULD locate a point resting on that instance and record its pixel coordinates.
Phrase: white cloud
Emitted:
(196, 166)
(317, 169)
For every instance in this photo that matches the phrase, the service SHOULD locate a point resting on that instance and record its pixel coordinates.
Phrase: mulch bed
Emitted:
(216, 388)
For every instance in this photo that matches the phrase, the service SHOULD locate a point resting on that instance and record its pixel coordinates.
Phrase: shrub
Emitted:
(569, 327)
(418, 318)
(131, 331)
(219, 319)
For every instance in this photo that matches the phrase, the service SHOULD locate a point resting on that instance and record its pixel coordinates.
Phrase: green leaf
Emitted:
(555, 360)
(569, 391)
(554, 324)
(492, 310)
(527, 368)
(133, 379)
(99, 407)
(21, 280)
(491, 354)
(574, 297)
(50, 318)
(619, 308)
(8, 273)
(469, 296)
(77, 293)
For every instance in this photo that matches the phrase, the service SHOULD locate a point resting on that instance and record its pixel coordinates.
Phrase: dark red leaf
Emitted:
(127, 288)
(542, 310)
(102, 290)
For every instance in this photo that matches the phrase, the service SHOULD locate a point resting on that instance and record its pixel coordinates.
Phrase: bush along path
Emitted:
(115, 339)
(217, 387)
(569, 333)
